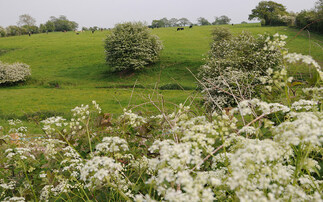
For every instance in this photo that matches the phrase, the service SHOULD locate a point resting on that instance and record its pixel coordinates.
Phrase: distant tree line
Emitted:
(274, 14)
(174, 22)
(27, 25)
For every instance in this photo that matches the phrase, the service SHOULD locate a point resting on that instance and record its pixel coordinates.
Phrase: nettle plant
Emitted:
(12, 73)
(131, 46)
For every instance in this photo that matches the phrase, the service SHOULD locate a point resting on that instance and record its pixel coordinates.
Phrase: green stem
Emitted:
(31, 186)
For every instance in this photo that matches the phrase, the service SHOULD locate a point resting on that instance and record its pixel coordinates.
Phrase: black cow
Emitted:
(191, 26)
(180, 28)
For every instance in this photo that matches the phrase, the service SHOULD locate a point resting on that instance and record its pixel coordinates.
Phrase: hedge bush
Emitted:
(11, 73)
(131, 46)
(234, 65)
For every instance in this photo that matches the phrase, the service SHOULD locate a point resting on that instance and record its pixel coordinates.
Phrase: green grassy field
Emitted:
(76, 65)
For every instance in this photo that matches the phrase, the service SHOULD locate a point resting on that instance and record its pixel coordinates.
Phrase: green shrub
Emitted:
(221, 33)
(130, 46)
(11, 73)
(3, 32)
(234, 66)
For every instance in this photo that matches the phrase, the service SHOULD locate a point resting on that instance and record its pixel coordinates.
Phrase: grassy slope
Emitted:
(77, 64)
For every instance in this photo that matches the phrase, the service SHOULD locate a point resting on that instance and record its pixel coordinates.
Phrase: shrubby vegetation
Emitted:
(235, 64)
(60, 24)
(11, 73)
(269, 13)
(313, 18)
(257, 151)
(131, 46)
(274, 14)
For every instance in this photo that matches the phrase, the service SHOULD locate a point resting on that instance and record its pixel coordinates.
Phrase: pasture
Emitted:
(69, 69)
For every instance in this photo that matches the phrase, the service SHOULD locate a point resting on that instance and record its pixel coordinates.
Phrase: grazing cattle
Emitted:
(191, 26)
(77, 33)
(180, 28)
(93, 31)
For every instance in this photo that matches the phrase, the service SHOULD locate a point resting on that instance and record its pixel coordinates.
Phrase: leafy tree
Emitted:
(26, 20)
(130, 46)
(50, 26)
(203, 21)
(13, 30)
(244, 22)
(184, 21)
(61, 24)
(42, 28)
(3, 32)
(222, 20)
(165, 22)
(268, 12)
(157, 24)
(311, 19)
(173, 22)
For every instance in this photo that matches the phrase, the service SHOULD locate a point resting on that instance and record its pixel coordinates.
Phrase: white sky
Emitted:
(106, 13)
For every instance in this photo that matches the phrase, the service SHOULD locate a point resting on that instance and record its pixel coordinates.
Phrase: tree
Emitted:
(184, 21)
(156, 24)
(165, 22)
(130, 46)
(203, 21)
(61, 24)
(269, 12)
(50, 26)
(3, 32)
(13, 30)
(27, 20)
(173, 22)
(42, 28)
(222, 20)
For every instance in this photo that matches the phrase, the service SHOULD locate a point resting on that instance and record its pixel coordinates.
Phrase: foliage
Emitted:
(27, 21)
(234, 66)
(3, 32)
(130, 46)
(184, 22)
(221, 33)
(268, 11)
(50, 26)
(61, 24)
(222, 20)
(13, 30)
(202, 21)
(11, 73)
(312, 19)
(241, 155)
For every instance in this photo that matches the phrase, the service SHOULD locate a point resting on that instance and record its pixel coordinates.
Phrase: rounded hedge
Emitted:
(131, 46)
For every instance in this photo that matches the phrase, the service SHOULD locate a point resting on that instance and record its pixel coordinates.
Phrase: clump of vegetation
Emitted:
(130, 46)
(257, 151)
(234, 66)
(11, 73)
(221, 33)
(3, 32)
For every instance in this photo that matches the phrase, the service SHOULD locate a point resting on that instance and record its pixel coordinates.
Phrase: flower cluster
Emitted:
(10, 73)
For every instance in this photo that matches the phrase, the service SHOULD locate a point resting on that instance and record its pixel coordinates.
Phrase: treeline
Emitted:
(313, 18)
(274, 14)
(174, 22)
(26, 25)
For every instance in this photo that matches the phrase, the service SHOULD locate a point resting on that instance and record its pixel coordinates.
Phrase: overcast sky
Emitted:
(106, 13)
